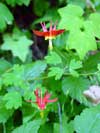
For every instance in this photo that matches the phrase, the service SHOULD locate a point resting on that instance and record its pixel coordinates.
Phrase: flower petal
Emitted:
(39, 33)
(53, 100)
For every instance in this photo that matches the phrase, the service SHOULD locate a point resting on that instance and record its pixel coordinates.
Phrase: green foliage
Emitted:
(56, 71)
(19, 75)
(19, 2)
(81, 35)
(53, 58)
(37, 6)
(35, 70)
(14, 77)
(4, 113)
(4, 65)
(71, 17)
(13, 100)
(65, 72)
(65, 127)
(29, 127)
(88, 121)
(74, 87)
(95, 18)
(73, 66)
(50, 15)
(19, 45)
(6, 17)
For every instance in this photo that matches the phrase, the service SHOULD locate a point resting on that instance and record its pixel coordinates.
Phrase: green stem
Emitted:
(50, 44)
(60, 117)
(65, 74)
(4, 128)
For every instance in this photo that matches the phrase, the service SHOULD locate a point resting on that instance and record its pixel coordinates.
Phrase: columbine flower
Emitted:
(48, 34)
(42, 101)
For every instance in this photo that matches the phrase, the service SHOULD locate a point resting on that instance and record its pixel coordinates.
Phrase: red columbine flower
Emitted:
(42, 101)
(48, 34)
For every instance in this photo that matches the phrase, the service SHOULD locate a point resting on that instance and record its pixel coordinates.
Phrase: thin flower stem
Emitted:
(65, 74)
(4, 128)
(60, 117)
(50, 44)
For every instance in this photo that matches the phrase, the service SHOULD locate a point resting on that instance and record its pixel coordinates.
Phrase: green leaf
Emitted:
(53, 58)
(74, 64)
(95, 18)
(81, 36)
(19, 2)
(30, 127)
(19, 75)
(75, 86)
(88, 121)
(90, 64)
(65, 127)
(56, 71)
(4, 65)
(48, 128)
(50, 15)
(82, 41)
(71, 17)
(4, 113)
(15, 76)
(77, 2)
(40, 7)
(34, 70)
(19, 45)
(6, 16)
(13, 100)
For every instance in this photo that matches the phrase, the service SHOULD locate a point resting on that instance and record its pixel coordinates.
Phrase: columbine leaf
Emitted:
(14, 77)
(74, 64)
(81, 36)
(6, 16)
(19, 45)
(13, 100)
(4, 65)
(75, 87)
(34, 70)
(30, 127)
(71, 17)
(95, 18)
(56, 71)
(82, 41)
(88, 121)
(53, 58)
(4, 113)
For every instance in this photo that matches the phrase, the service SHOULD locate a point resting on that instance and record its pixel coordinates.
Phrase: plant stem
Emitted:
(60, 117)
(50, 44)
(4, 128)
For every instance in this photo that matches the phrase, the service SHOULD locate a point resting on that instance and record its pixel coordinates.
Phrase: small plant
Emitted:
(58, 90)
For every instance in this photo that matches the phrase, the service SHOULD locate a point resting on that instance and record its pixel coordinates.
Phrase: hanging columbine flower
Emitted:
(42, 101)
(48, 34)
